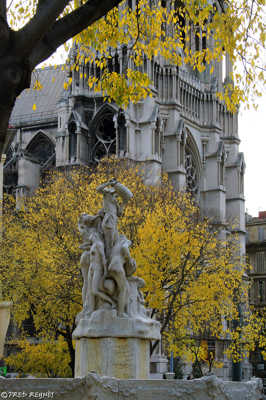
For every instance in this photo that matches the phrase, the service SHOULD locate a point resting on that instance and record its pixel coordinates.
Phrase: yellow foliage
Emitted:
(45, 359)
(193, 280)
(149, 30)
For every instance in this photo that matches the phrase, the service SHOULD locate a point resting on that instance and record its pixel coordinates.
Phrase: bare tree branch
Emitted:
(69, 26)
(10, 4)
(34, 30)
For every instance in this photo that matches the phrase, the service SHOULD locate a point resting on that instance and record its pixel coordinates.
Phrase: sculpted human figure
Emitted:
(136, 299)
(85, 226)
(106, 262)
(120, 268)
(113, 305)
(93, 263)
(97, 272)
(111, 211)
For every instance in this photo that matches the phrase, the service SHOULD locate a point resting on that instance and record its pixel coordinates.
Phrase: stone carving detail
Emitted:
(103, 148)
(110, 291)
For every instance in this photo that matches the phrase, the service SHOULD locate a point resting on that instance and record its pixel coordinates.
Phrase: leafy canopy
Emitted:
(168, 29)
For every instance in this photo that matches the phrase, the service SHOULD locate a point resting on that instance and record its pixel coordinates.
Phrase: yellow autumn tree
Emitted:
(193, 280)
(203, 359)
(49, 359)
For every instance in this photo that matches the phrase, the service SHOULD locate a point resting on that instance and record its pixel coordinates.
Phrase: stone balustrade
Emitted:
(195, 98)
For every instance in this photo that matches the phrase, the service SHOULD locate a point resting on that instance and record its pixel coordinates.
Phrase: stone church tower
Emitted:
(183, 130)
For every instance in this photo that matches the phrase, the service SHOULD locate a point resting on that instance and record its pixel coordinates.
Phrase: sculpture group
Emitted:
(106, 264)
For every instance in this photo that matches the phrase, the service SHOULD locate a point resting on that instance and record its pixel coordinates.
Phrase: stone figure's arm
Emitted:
(140, 297)
(129, 262)
(102, 257)
(122, 191)
(100, 188)
(85, 246)
(120, 210)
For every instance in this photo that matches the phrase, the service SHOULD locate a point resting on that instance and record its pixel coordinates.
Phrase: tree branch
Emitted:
(36, 28)
(10, 4)
(3, 9)
(69, 26)
(5, 31)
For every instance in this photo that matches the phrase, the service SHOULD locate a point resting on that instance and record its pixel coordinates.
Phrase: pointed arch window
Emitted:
(261, 291)
(221, 170)
(182, 149)
(41, 148)
(10, 172)
(192, 165)
(192, 178)
(157, 138)
(72, 129)
(104, 137)
(122, 132)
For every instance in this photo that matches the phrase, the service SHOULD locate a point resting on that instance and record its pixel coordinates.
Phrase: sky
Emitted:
(252, 133)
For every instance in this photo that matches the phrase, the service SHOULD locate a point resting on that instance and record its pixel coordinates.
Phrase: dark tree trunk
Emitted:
(153, 346)
(71, 352)
(67, 335)
(15, 76)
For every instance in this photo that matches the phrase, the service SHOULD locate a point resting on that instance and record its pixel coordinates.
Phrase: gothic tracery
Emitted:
(192, 183)
(105, 138)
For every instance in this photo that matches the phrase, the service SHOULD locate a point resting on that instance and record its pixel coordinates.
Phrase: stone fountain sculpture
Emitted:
(113, 329)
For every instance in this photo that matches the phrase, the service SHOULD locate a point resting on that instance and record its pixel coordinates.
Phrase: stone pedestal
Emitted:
(4, 322)
(124, 358)
(158, 365)
(114, 346)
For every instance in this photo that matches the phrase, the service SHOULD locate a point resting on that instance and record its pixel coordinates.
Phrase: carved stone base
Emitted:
(124, 358)
(106, 323)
